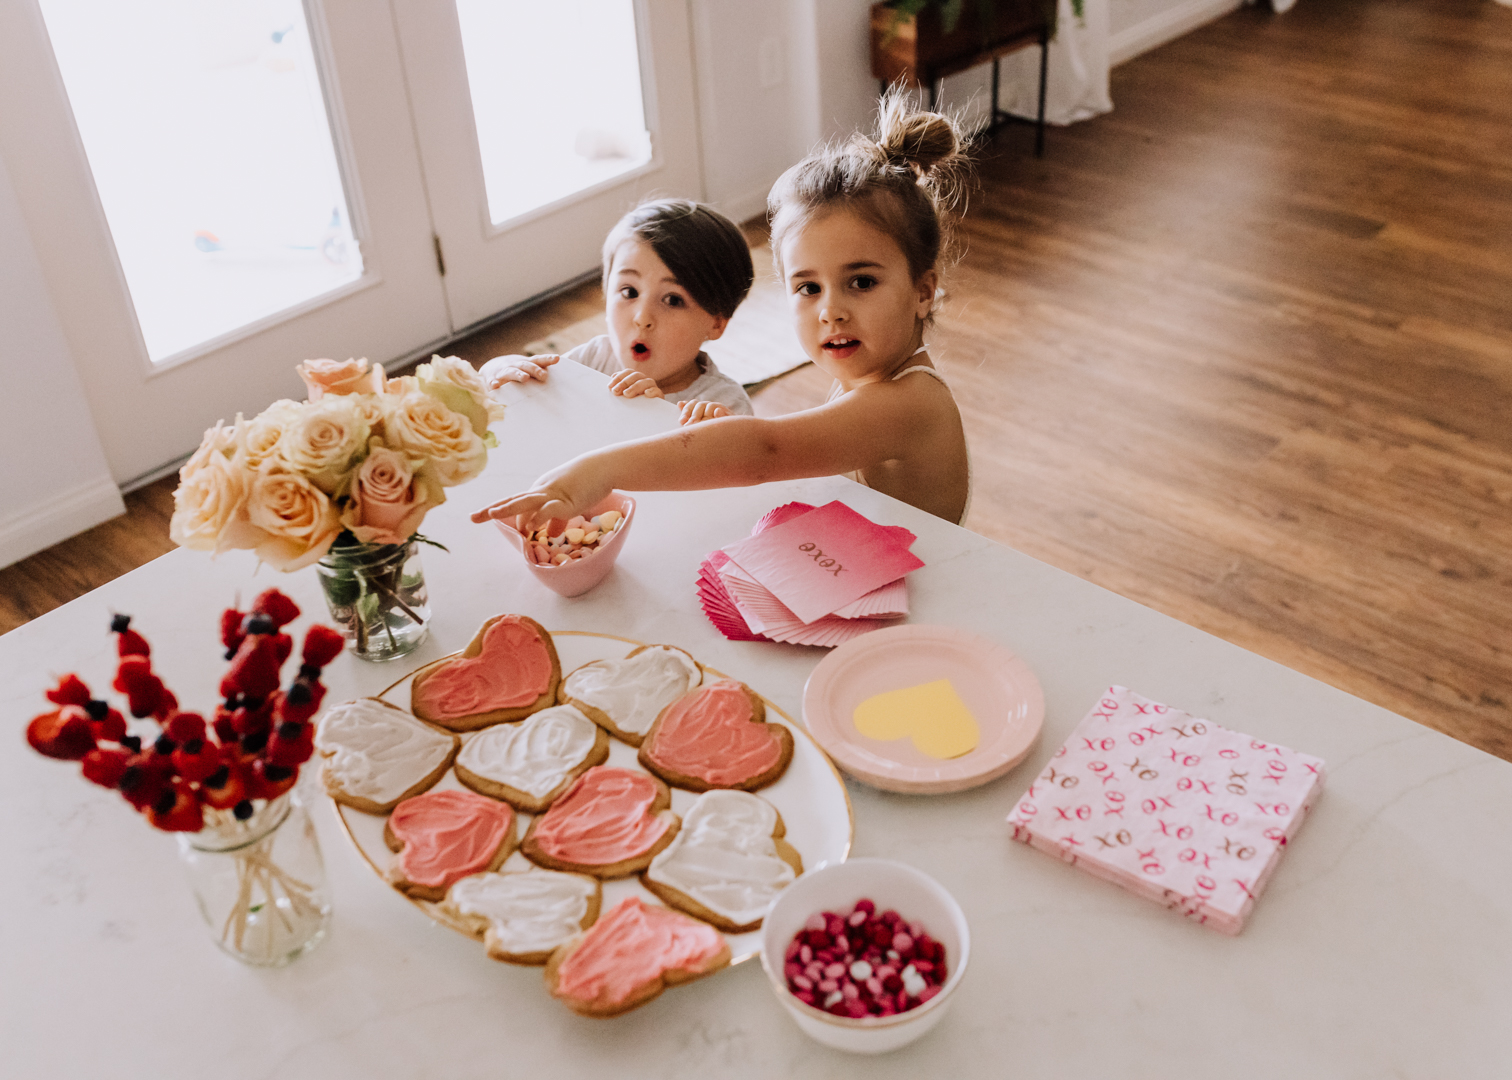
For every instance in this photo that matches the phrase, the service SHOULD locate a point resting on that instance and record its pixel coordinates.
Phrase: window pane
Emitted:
(206, 132)
(556, 93)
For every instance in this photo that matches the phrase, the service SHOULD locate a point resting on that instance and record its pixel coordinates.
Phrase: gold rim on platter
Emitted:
(435, 912)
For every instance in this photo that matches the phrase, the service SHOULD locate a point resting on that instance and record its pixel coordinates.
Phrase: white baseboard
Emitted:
(1167, 26)
(65, 514)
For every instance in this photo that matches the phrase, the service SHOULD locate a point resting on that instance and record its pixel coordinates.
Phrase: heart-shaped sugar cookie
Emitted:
(523, 916)
(626, 696)
(610, 823)
(508, 671)
(443, 836)
(717, 737)
(376, 754)
(531, 762)
(728, 862)
(630, 955)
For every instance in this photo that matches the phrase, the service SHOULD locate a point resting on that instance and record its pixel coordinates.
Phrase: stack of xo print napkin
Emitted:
(1170, 806)
(809, 577)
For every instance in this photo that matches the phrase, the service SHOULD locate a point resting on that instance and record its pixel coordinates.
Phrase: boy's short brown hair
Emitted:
(705, 250)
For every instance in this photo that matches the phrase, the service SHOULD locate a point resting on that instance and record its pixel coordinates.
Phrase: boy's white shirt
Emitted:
(711, 385)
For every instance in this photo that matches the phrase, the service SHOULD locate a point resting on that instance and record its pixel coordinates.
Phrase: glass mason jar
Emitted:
(260, 883)
(376, 593)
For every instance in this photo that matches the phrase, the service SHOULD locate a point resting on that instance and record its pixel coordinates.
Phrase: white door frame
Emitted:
(149, 416)
(491, 268)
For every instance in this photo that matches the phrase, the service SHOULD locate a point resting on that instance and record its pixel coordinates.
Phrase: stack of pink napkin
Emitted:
(808, 576)
(1169, 806)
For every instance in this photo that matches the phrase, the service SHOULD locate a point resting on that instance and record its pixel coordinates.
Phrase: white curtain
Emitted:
(1077, 87)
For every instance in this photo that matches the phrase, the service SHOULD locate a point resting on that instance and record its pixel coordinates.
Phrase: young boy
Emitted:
(674, 273)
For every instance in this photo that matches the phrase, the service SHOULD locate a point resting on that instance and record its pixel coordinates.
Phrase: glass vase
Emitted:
(260, 883)
(376, 593)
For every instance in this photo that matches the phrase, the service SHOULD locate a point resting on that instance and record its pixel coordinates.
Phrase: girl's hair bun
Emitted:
(903, 180)
(923, 140)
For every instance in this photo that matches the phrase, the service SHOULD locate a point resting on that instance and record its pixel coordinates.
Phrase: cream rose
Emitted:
(390, 496)
(422, 426)
(324, 440)
(288, 521)
(206, 501)
(374, 410)
(337, 377)
(219, 441)
(401, 385)
(262, 432)
(455, 383)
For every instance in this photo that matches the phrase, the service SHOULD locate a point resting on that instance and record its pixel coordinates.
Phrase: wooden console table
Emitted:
(917, 50)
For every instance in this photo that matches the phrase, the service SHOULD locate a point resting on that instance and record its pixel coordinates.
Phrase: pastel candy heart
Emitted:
(932, 714)
(717, 737)
(725, 858)
(511, 668)
(447, 835)
(604, 819)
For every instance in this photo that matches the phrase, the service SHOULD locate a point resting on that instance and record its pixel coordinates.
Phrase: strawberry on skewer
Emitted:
(64, 733)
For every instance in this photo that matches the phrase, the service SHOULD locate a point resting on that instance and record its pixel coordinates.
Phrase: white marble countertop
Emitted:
(1381, 947)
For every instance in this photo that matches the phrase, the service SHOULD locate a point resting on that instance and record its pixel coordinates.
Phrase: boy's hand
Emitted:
(629, 383)
(503, 369)
(694, 411)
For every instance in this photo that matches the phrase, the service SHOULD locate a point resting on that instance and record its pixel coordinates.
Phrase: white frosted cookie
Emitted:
(523, 916)
(728, 863)
(377, 754)
(529, 763)
(625, 696)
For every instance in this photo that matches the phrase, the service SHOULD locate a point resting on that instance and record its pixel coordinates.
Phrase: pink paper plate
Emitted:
(1002, 693)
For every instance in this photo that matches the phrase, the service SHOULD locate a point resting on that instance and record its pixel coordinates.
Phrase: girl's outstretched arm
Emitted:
(870, 424)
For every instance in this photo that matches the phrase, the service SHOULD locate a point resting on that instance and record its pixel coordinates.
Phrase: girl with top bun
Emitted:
(858, 238)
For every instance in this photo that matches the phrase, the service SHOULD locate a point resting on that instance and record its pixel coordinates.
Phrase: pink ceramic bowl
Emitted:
(580, 575)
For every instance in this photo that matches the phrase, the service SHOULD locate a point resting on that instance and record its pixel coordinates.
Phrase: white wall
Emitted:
(55, 482)
(759, 115)
(1137, 26)
(754, 71)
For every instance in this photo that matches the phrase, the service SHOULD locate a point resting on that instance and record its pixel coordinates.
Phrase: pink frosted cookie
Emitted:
(629, 956)
(508, 671)
(610, 823)
(717, 737)
(441, 837)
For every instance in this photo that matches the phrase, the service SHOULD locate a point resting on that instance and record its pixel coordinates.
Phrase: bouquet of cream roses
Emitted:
(362, 461)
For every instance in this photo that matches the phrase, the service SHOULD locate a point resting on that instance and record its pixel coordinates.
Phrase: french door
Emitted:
(217, 191)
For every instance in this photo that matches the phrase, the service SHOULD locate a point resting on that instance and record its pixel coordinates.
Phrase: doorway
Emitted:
(218, 192)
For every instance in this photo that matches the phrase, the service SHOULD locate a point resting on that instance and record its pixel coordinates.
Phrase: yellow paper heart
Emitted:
(932, 713)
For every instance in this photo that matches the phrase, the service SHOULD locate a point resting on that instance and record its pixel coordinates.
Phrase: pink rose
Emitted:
(389, 498)
(322, 377)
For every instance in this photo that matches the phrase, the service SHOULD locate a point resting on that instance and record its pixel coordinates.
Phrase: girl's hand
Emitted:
(503, 369)
(694, 411)
(629, 383)
(561, 494)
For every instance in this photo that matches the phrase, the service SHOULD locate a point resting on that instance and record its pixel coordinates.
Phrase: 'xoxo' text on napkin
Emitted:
(820, 562)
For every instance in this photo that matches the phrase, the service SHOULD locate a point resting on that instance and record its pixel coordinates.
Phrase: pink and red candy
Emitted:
(862, 956)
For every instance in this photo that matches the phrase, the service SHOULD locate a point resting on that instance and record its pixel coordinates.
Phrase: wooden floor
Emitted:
(1240, 350)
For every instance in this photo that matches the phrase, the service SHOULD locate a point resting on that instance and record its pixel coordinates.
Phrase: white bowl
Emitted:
(914, 895)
